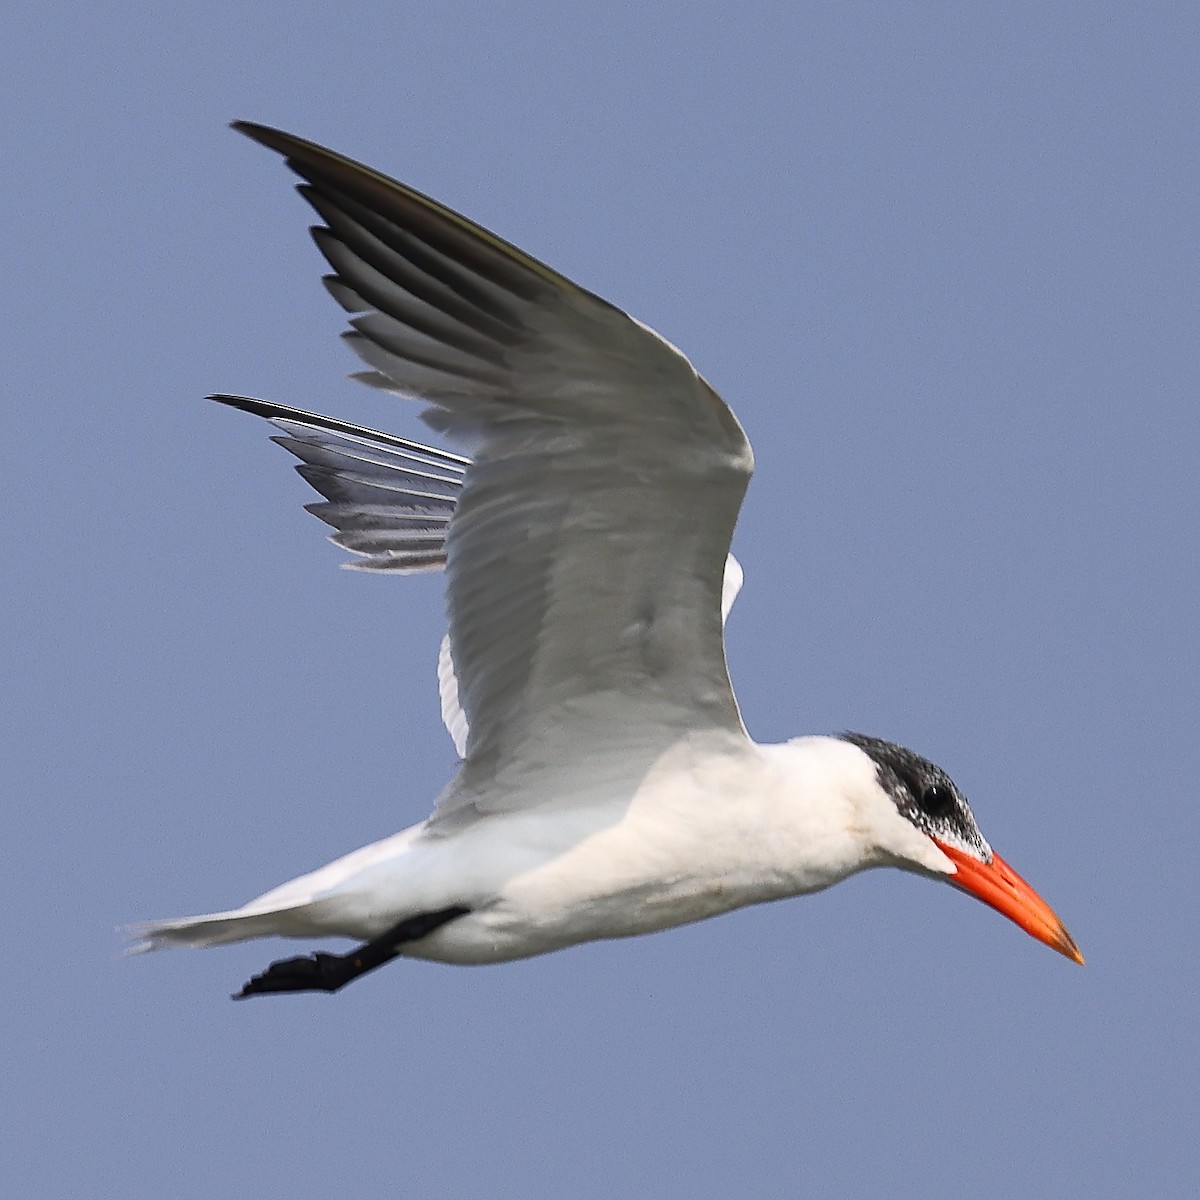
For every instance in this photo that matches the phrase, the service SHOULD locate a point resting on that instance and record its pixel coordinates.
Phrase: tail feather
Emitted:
(218, 929)
(323, 903)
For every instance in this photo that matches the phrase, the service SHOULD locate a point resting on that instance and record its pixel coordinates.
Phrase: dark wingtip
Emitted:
(259, 408)
(273, 139)
(267, 409)
(252, 129)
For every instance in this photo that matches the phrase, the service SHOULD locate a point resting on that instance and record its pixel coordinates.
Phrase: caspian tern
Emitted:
(607, 786)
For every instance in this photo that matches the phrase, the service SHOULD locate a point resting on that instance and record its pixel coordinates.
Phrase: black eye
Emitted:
(936, 801)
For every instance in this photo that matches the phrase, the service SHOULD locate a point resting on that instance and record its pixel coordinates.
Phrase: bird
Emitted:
(607, 786)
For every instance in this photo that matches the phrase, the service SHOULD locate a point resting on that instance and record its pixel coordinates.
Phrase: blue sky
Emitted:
(942, 261)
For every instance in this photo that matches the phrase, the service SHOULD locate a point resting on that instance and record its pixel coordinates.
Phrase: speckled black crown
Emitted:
(924, 794)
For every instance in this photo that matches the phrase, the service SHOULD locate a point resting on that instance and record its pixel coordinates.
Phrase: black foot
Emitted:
(321, 972)
(318, 972)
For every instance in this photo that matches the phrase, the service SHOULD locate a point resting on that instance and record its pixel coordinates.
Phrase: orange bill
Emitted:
(999, 886)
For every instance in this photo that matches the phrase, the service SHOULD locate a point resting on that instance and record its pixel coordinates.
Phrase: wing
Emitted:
(391, 500)
(585, 555)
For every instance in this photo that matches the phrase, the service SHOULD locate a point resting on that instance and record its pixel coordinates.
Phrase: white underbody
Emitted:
(717, 823)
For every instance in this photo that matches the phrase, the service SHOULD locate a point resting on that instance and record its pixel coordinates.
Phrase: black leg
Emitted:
(321, 972)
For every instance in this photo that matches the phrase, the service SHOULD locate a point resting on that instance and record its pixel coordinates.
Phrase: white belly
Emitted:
(579, 897)
(655, 865)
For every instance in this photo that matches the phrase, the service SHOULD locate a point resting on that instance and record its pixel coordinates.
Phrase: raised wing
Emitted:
(585, 557)
(391, 500)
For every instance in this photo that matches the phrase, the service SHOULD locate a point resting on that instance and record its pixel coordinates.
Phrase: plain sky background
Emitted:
(942, 260)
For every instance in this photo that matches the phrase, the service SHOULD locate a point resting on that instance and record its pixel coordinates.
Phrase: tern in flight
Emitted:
(607, 785)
